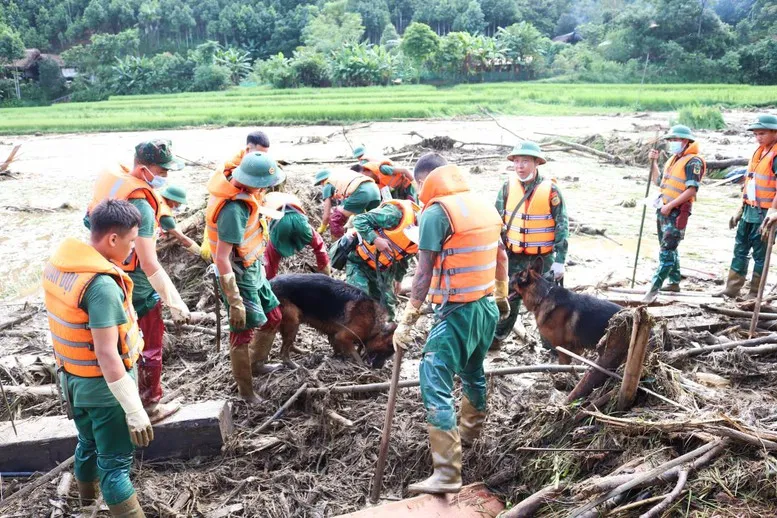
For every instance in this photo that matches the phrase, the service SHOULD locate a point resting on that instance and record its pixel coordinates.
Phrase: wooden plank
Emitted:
(42, 443)
(473, 501)
(674, 311)
(635, 299)
(700, 323)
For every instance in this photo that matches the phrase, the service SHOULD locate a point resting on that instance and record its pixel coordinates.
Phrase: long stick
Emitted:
(218, 312)
(686, 353)
(377, 481)
(8, 407)
(282, 409)
(644, 211)
(32, 486)
(757, 309)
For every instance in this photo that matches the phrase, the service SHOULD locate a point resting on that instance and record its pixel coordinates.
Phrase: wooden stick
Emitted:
(761, 286)
(649, 475)
(527, 448)
(740, 313)
(527, 507)
(282, 409)
(17, 320)
(728, 162)
(620, 378)
(32, 486)
(33, 391)
(615, 289)
(511, 132)
(193, 329)
(385, 439)
(644, 212)
(658, 510)
(685, 353)
(640, 333)
(634, 505)
(8, 408)
(218, 311)
(380, 387)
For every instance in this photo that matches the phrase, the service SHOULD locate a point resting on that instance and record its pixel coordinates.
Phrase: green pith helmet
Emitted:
(321, 176)
(258, 170)
(175, 193)
(764, 122)
(527, 148)
(158, 152)
(359, 152)
(680, 131)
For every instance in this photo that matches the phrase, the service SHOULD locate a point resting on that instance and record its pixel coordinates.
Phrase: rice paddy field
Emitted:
(247, 106)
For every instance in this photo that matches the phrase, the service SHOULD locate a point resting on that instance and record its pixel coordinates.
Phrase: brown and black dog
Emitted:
(356, 324)
(565, 318)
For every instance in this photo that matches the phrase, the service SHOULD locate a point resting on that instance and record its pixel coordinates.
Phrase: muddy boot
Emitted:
(672, 288)
(755, 283)
(733, 285)
(261, 344)
(130, 508)
(496, 345)
(651, 295)
(446, 459)
(470, 422)
(87, 492)
(240, 359)
(160, 411)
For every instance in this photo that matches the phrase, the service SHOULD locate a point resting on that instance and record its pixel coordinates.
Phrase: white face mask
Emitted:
(676, 147)
(529, 178)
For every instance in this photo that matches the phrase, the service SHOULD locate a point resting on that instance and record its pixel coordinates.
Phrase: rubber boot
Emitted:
(261, 345)
(87, 492)
(651, 295)
(733, 285)
(160, 411)
(755, 283)
(672, 288)
(496, 345)
(240, 359)
(446, 459)
(470, 422)
(130, 508)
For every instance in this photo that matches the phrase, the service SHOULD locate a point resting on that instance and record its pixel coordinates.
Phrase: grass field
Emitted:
(244, 106)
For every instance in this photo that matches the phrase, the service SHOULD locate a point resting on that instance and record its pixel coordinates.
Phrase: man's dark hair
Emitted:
(357, 167)
(117, 216)
(258, 138)
(426, 164)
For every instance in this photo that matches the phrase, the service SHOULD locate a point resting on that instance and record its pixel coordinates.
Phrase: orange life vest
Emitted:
(231, 164)
(533, 229)
(66, 277)
(118, 184)
(760, 171)
(392, 181)
(346, 182)
(401, 245)
(221, 191)
(673, 179)
(281, 201)
(465, 269)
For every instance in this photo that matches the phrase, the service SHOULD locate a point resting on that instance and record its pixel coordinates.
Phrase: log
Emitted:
(192, 329)
(49, 390)
(282, 409)
(32, 486)
(17, 319)
(585, 149)
(678, 295)
(527, 507)
(740, 313)
(380, 387)
(640, 334)
(674, 356)
(658, 510)
(728, 162)
(197, 429)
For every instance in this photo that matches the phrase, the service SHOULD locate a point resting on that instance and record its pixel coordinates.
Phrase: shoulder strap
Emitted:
(526, 196)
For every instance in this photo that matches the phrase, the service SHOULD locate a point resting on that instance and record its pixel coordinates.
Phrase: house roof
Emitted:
(32, 56)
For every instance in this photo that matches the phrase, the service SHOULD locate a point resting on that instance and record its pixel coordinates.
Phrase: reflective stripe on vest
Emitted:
(533, 229)
(760, 171)
(673, 179)
(346, 182)
(401, 246)
(69, 324)
(392, 181)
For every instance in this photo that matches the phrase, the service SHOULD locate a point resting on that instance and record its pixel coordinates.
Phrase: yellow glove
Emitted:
(326, 270)
(237, 311)
(126, 393)
(502, 303)
(406, 320)
(768, 223)
(322, 228)
(205, 251)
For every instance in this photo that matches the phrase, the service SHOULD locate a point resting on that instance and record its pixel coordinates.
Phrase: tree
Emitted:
(472, 20)
(759, 62)
(420, 42)
(375, 16)
(390, 38)
(236, 61)
(11, 46)
(333, 28)
(209, 78)
(451, 58)
(522, 44)
(50, 79)
(401, 12)
(499, 13)
(543, 14)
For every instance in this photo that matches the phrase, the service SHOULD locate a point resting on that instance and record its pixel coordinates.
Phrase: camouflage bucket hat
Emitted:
(158, 152)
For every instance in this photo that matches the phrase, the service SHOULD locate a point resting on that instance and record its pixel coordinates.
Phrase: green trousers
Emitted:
(516, 264)
(748, 238)
(669, 237)
(104, 451)
(359, 274)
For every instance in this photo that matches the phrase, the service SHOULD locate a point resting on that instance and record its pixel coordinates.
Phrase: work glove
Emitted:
(406, 320)
(237, 311)
(126, 393)
(734, 221)
(558, 270)
(322, 228)
(162, 284)
(768, 223)
(194, 249)
(205, 251)
(501, 300)
(326, 270)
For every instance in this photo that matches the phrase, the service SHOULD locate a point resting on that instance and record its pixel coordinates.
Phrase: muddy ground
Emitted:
(309, 465)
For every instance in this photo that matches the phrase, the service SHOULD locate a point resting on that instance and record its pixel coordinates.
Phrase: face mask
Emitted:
(528, 179)
(156, 182)
(676, 147)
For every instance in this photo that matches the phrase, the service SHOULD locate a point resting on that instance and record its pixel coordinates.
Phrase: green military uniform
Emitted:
(748, 238)
(458, 341)
(520, 262)
(379, 285)
(104, 450)
(291, 233)
(252, 283)
(365, 197)
(670, 234)
(167, 223)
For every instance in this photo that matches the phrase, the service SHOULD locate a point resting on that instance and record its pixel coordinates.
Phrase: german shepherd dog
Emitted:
(565, 318)
(356, 324)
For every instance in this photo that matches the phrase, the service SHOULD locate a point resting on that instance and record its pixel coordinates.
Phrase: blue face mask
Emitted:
(676, 147)
(157, 182)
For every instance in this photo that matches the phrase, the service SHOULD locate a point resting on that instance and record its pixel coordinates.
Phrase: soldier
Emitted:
(356, 193)
(679, 184)
(174, 197)
(395, 181)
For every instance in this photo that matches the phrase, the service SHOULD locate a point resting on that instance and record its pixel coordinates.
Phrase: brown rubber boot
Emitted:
(470, 422)
(240, 359)
(446, 459)
(87, 492)
(672, 288)
(261, 345)
(734, 284)
(130, 508)
(755, 283)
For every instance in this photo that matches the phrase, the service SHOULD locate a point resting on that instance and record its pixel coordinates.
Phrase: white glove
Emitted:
(162, 284)
(126, 393)
(558, 270)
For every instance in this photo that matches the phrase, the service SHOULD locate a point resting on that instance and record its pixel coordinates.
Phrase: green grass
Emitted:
(701, 117)
(260, 105)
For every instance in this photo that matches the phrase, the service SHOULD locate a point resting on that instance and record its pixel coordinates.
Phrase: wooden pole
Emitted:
(757, 309)
(218, 311)
(377, 481)
(644, 211)
(640, 333)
